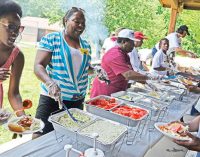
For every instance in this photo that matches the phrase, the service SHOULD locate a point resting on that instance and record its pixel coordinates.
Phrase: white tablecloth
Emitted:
(48, 146)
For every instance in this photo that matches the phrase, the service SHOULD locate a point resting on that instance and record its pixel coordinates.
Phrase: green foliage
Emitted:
(51, 9)
(147, 16)
(151, 18)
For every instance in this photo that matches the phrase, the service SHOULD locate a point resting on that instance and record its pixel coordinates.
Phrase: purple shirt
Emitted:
(115, 63)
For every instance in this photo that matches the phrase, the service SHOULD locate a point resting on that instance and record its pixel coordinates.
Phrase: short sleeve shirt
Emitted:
(159, 60)
(135, 59)
(174, 41)
(115, 63)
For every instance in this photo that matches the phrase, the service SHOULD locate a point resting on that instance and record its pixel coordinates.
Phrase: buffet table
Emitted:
(51, 145)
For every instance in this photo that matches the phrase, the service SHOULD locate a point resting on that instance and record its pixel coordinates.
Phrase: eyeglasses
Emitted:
(13, 28)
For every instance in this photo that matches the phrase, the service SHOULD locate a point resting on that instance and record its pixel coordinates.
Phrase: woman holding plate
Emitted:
(12, 59)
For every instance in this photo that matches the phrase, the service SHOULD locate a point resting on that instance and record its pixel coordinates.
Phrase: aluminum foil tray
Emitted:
(108, 130)
(127, 96)
(96, 110)
(161, 96)
(153, 105)
(127, 120)
(69, 131)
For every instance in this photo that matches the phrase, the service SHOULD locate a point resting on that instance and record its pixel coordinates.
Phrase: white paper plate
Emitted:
(14, 120)
(193, 83)
(168, 134)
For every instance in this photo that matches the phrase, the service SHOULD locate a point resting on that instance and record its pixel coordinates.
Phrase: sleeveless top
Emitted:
(7, 64)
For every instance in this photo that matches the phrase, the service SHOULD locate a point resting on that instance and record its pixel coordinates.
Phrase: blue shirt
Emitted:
(60, 67)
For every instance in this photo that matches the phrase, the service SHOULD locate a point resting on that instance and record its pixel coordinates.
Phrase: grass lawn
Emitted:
(29, 88)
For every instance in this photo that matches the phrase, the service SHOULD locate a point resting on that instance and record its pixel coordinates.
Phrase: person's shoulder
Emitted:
(159, 53)
(114, 53)
(20, 57)
(53, 34)
(171, 35)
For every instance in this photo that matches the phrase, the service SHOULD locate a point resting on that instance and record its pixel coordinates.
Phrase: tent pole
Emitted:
(173, 17)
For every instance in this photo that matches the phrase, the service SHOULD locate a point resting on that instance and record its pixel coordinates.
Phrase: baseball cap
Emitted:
(127, 33)
(139, 35)
(184, 28)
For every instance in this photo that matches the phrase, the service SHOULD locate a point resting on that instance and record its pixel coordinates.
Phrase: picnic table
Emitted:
(52, 144)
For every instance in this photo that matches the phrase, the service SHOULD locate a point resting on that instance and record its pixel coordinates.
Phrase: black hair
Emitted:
(182, 28)
(121, 40)
(9, 6)
(70, 12)
(163, 39)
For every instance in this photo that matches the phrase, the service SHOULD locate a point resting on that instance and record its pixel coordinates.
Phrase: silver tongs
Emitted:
(101, 74)
(61, 104)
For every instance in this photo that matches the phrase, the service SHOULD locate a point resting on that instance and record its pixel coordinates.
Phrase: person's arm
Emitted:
(193, 144)
(13, 91)
(194, 89)
(183, 52)
(42, 59)
(194, 124)
(145, 65)
(132, 75)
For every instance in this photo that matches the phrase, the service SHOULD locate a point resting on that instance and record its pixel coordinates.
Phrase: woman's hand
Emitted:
(4, 74)
(193, 144)
(53, 90)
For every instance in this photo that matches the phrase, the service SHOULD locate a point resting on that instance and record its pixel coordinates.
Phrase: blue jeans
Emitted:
(153, 52)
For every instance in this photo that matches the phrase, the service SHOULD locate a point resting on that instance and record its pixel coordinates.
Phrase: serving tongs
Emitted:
(61, 104)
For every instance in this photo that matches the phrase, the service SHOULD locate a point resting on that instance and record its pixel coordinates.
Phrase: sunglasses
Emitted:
(79, 9)
(13, 27)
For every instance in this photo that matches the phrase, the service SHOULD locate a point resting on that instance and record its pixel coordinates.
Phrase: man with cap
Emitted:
(116, 64)
(175, 42)
(134, 56)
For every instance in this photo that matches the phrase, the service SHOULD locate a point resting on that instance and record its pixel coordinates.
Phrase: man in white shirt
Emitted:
(175, 42)
(111, 41)
(145, 58)
(134, 56)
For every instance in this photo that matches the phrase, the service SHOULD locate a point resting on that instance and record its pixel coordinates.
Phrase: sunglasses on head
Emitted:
(75, 8)
(13, 28)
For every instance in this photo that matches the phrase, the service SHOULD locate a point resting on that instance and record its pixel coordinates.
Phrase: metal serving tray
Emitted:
(67, 130)
(153, 105)
(177, 92)
(126, 120)
(105, 146)
(96, 110)
(163, 96)
(138, 90)
(127, 96)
